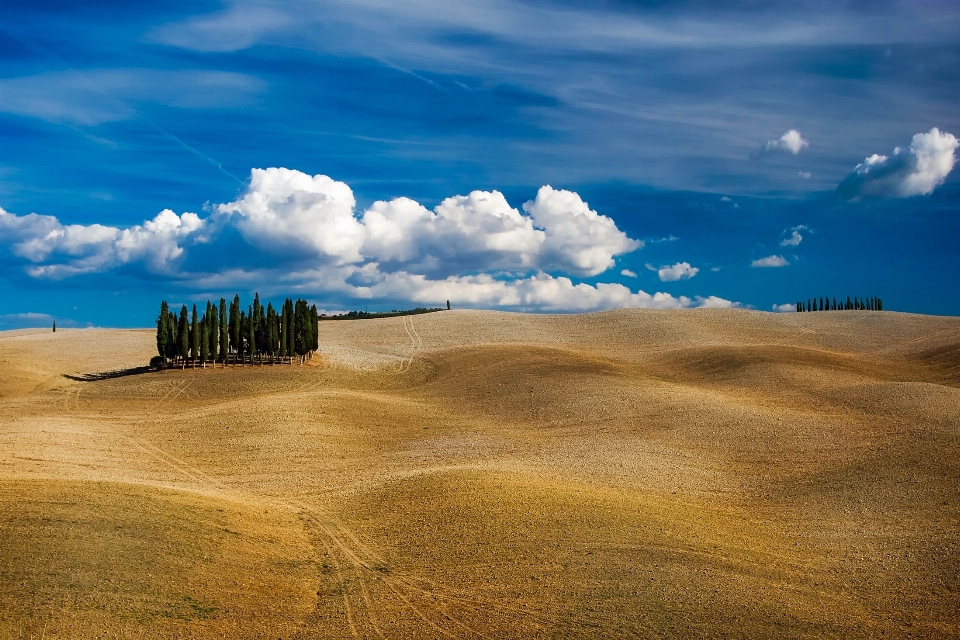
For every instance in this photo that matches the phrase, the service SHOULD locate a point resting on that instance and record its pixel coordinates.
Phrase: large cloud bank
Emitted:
(300, 232)
(914, 171)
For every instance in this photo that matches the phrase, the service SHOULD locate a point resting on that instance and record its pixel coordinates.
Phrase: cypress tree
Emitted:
(235, 324)
(194, 335)
(171, 335)
(879, 304)
(271, 331)
(183, 335)
(283, 331)
(314, 329)
(300, 330)
(251, 334)
(204, 339)
(54, 326)
(290, 329)
(808, 305)
(241, 343)
(162, 332)
(214, 332)
(224, 332)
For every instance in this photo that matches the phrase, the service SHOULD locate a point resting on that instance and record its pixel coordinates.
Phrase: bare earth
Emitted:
(654, 474)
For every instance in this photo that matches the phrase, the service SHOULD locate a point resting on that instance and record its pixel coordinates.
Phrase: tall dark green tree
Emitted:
(163, 333)
(224, 332)
(183, 335)
(213, 332)
(194, 335)
(241, 342)
(272, 338)
(284, 329)
(314, 329)
(172, 336)
(205, 338)
(290, 329)
(235, 324)
(251, 334)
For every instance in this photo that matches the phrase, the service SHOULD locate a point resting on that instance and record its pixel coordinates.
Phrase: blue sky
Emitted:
(383, 155)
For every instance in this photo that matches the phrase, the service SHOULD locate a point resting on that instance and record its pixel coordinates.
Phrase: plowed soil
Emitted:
(655, 474)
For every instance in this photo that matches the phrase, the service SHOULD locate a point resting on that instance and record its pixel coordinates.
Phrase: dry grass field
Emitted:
(653, 474)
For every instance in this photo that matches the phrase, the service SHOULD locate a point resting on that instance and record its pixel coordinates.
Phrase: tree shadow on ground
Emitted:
(108, 375)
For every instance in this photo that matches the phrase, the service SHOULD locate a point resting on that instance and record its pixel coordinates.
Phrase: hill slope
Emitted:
(707, 473)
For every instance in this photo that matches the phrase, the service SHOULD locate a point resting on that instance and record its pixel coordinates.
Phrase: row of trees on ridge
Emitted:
(825, 304)
(231, 335)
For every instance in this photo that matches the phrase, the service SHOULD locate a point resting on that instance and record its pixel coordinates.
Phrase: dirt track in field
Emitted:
(654, 474)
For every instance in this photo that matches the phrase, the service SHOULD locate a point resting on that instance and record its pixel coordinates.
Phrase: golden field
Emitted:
(653, 474)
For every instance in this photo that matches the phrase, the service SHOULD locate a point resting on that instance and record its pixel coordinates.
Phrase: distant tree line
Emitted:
(826, 304)
(364, 315)
(230, 335)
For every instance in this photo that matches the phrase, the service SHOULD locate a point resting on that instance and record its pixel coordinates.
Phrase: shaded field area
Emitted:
(654, 474)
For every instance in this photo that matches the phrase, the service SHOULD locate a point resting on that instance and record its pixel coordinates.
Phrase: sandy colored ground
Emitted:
(652, 474)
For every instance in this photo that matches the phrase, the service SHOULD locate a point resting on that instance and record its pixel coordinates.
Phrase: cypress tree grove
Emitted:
(162, 333)
(224, 332)
(183, 335)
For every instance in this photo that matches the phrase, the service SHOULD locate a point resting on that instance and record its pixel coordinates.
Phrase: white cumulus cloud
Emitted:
(628, 273)
(678, 271)
(784, 308)
(55, 250)
(791, 141)
(770, 261)
(283, 209)
(792, 236)
(303, 233)
(914, 171)
(577, 238)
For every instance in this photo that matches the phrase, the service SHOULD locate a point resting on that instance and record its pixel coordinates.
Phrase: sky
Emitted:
(540, 156)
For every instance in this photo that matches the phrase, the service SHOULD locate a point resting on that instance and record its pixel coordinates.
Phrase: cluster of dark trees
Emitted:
(231, 335)
(856, 304)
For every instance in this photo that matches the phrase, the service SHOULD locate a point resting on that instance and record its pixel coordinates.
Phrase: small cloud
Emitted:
(714, 269)
(915, 171)
(628, 273)
(792, 237)
(770, 261)
(678, 271)
(726, 199)
(785, 308)
(805, 174)
(791, 141)
(670, 238)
